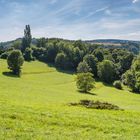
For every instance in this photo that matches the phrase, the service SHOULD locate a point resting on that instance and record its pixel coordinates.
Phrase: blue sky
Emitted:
(71, 19)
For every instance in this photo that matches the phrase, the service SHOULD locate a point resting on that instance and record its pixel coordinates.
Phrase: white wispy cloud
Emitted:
(75, 19)
(134, 1)
(73, 6)
(102, 29)
(97, 11)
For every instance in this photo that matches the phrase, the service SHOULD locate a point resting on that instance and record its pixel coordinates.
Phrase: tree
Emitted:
(4, 55)
(15, 60)
(1, 48)
(136, 64)
(59, 60)
(78, 56)
(132, 76)
(51, 52)
(28, 54)
(83, 67)
(130, 79)
(41, 43)
(126, 61)
(39, 53)
(92, 62)
(85, 82)
(62, 61)
(26, 41)
(99, 54)
(106, 71)
(16, 45)
(79, 44)
(138, 83)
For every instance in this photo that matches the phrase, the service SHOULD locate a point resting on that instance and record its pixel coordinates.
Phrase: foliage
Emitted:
(85, 82)
(106, 71)
(41, 43)
(26, 41)
(17, 45)
(28, 54)
(51, 52)
(99, 54)
(39, 53)
(62, 61)
(132, 76)
(83, 67)
(83, 56)
(126, 61)
(117, 84)
(92, 62)
(15, 60)
(4, 55)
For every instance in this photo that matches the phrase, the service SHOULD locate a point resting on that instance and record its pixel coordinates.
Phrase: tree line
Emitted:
(92, 61)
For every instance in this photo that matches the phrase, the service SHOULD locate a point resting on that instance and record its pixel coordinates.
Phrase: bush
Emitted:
(4, 55)
(28, 54)
(96, 105)
(117, 84)
(15, 60)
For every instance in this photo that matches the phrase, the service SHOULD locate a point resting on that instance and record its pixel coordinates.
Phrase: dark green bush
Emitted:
(117, 84)
(15, 61)
(4, 55)
(96, 105)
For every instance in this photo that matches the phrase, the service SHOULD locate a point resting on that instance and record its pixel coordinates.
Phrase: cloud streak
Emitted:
(97, 11)
(75, 19)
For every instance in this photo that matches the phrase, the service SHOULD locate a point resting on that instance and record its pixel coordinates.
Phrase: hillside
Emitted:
(36, 106)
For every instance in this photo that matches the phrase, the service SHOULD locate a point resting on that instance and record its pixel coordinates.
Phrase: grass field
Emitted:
(35, 106)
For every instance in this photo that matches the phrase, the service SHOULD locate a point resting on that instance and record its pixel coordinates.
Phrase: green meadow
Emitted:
(36, 106)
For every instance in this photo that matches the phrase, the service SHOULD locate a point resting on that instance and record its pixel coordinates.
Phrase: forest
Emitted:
(108, 63)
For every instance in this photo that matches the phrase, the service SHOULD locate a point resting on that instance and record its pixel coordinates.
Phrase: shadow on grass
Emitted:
(87, 93)
(134, 92)
(51, 65)
(10, 74)
(60, 70)
(108, 85)
(66, 71)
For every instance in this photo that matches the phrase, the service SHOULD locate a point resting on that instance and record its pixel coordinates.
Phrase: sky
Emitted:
(71, 19)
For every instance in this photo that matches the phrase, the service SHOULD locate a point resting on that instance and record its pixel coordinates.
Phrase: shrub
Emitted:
(28, 54)
(15, 60)
(117, 84)
(96, 105)
(4, 55)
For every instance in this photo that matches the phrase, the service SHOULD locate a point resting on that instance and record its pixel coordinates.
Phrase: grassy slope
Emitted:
(35, 107)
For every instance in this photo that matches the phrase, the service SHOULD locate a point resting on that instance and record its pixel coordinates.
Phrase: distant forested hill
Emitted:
(133, 46)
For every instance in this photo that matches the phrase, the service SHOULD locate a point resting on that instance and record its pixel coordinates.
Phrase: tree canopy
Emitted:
(15, 60)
